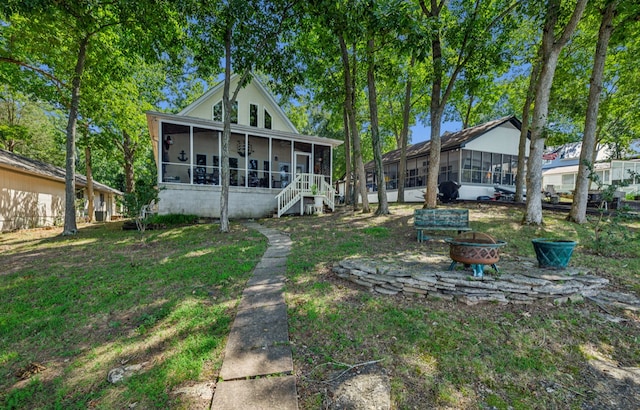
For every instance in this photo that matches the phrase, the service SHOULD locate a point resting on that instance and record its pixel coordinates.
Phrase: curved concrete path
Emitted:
(257, 370)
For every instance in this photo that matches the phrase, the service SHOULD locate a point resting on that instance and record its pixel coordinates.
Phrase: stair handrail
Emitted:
(289, 195)
(300, 187)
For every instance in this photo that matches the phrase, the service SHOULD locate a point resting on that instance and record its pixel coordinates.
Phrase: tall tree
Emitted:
(550, 53)
(578, 211)
(383, 206)
(476, 30)
(81, 29)
(350, 104)
(247, 35)
(524, 132)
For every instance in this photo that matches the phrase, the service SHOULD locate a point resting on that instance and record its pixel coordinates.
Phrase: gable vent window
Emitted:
(217, 112)
(267, 120)
(253, 115)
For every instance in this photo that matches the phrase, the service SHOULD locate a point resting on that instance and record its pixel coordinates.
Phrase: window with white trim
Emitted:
(253, 115)
(218, 112)
(267, 120)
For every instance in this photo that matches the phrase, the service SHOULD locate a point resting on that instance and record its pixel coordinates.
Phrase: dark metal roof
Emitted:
(449, 141)
(42, 169)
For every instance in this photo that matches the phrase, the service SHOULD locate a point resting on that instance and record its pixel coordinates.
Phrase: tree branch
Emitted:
(58, 83)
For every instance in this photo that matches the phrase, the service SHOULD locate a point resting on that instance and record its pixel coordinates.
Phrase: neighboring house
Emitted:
(32, 194)
(560, 168)
(479, 158)
(272, 166)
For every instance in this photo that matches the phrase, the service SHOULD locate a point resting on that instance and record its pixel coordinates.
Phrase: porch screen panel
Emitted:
(259, 163)
(322, 161)
(486, 168)
(507, 170)
(423, 170)
(454, 166)
(629, 173)
(443, 174)
(371, 181)
(466, 166)
(496, 169)
(617, 172)
(237, 160)
(175, 147)
(206, 163)
(412, 173)
(282, 163)
(391, 175)
(511, 178)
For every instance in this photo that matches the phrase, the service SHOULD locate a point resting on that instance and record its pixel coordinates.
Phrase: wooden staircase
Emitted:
(301, 188)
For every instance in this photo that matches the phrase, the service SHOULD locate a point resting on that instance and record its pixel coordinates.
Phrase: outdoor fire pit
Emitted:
(475, 249)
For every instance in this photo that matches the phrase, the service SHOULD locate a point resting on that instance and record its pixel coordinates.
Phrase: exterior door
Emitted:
(302, 163)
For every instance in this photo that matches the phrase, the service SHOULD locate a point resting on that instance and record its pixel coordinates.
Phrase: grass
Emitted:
(443, 354)
(80, 306)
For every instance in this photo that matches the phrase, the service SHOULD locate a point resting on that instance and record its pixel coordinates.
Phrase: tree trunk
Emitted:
(90, 193)
(524, 133)
(578, 211)
(404, 133)
(70, 225)
(347, 157)
(383, 206)
(129, 150)
(534, 165)
(551, 49)
(348, 116)
(357, 149)
(435, 115)
(226, 135)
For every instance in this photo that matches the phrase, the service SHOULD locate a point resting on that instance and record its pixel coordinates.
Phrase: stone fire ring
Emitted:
(476, 249)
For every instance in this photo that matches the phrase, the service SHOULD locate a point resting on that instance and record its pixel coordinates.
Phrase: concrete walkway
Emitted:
(257, 370)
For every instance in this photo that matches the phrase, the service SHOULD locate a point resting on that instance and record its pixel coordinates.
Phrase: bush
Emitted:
(172, 219)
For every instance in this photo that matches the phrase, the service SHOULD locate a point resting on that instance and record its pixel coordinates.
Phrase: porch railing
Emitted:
(301, 187)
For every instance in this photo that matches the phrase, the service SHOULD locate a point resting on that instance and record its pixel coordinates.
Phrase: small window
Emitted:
(234, 113)
(217, 112)
(253, 115)
(267, 120)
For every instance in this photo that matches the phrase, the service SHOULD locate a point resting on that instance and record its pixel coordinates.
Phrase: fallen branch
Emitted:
(348, 366)
(598, 304)
(571, 390)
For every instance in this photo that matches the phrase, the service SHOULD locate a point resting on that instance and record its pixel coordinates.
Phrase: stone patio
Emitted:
(518, 281)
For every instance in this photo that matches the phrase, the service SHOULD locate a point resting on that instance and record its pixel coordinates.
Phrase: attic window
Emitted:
(253, 115)
(267, 120)
(217, 112)
(234, 112)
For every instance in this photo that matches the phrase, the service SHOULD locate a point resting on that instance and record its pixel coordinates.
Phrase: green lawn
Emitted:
(72, 308)
(80, 306)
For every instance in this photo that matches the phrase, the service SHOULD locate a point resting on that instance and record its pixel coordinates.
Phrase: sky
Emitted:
(421, 132)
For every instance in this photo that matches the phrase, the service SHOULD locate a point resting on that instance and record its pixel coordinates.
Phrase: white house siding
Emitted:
(563, 179)
(28, 202)
(501, 140)
(248, 95)
(478, 179)
(205, 201)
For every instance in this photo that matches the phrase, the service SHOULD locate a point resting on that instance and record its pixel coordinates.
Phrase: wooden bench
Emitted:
(441, 219)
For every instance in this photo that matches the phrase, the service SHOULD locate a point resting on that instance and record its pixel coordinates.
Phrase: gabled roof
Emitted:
(10, 160)
(218, 87)
(450, 141)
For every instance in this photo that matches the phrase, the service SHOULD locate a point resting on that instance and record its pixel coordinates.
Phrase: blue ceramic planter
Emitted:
(553, 253)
